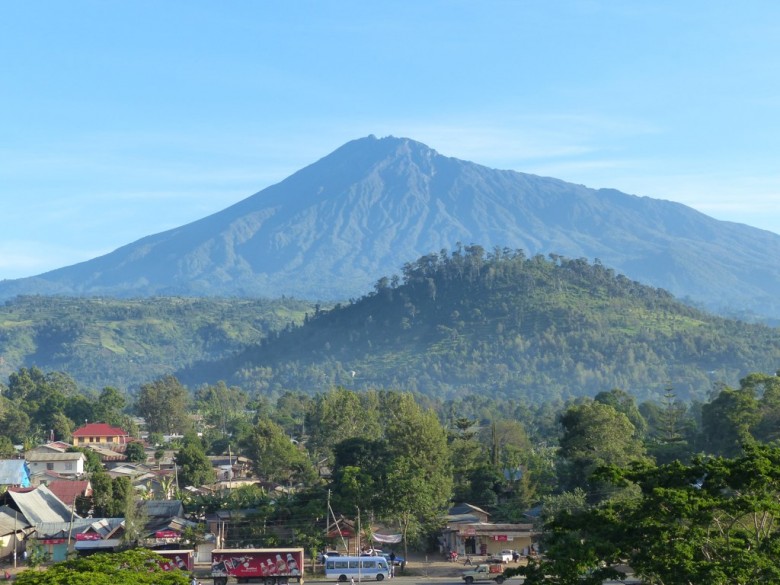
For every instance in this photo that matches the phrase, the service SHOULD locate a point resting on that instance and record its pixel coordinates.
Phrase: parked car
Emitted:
(398, 561)
(505, 556)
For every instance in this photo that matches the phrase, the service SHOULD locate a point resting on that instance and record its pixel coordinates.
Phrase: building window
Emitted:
(68, 466)
(50, 466)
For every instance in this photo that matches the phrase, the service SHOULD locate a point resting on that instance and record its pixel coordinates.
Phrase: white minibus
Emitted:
(357, 568)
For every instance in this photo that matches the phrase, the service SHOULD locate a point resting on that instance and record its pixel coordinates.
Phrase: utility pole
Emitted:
(360, 561)
(16, 538)
(327, 516)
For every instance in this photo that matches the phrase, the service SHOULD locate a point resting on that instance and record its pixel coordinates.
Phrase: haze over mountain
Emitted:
(330, 230)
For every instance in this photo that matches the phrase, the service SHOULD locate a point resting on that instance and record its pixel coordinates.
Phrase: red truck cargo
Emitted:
(271, 566)
(177, 559)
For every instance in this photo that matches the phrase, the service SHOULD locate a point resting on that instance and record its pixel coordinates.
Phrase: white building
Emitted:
(61, 463)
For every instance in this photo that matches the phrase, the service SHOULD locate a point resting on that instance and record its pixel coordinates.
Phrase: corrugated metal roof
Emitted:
(176, 524)
(57, 447)
(106, 527)
(41, 457)
(40, 505)
(107, 454)
(103, 526)
(68, 491)
(11, 521)
(61, 529)
(163, 508)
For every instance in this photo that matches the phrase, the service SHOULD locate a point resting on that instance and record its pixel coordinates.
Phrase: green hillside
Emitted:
(123, 343)
(509, 326)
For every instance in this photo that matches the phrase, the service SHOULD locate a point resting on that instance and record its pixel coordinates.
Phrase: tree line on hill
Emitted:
(523, 328)
(451, 325)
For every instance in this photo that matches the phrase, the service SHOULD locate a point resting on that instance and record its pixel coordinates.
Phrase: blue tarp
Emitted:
(14, 472)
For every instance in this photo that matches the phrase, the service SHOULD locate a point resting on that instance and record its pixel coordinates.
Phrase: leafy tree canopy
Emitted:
(194, 467)
(594, 435)
(714, 521)
(164, 404)
(276, 457)
(131, 567)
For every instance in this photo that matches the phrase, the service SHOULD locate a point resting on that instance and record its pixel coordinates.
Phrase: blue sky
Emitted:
(124, 119)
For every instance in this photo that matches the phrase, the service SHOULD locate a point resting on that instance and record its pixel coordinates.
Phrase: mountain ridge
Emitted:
(328, 231)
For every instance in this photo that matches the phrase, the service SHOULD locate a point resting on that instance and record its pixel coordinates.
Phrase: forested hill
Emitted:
(124, 343)
(508, 325)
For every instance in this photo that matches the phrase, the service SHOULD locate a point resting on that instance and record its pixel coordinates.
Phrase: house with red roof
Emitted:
(100, 434)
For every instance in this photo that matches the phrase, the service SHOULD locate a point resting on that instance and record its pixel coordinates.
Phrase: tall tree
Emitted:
(623, 402)
(290, 413)
(726, 421)
(40, 396)
(673, 429)
(135, 452)
(121, 497)
(194, 467)
(275, 457)
(594, 435)
(467, 455)
(419, 473)
(767, 388)
(358, 475)
(102, 494)
(341, 414)
(110, 404)
(164, 405)
(221, 406)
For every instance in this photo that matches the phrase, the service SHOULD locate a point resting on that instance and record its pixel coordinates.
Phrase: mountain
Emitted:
(502, 324)
(330, 230)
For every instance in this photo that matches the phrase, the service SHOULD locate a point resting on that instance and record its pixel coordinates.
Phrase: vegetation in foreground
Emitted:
(713, 521)
(131, 567)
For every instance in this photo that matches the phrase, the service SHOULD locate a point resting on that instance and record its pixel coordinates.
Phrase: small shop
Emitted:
(469, 532)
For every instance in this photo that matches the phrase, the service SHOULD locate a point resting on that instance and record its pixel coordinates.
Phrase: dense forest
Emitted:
(536, 328)
(586, 469)
(124, 343)
(453, 325)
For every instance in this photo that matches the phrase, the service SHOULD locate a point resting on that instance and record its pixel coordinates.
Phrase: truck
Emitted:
(492, 572)
(183, 560)
(271, 566)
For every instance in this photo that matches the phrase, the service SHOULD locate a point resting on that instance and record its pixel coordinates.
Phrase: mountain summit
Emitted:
(330, 230)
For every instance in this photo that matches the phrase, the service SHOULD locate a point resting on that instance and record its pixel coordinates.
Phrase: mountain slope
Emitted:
(333, 228)
(124, 343)
(505, 325)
